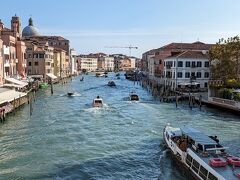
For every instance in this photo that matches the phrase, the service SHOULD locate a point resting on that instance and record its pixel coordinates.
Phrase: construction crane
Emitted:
(128, 47)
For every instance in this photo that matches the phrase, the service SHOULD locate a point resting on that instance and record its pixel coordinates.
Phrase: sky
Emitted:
(95, 25)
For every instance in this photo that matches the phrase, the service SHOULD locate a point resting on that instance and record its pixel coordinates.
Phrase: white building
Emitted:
(108, 63)
(89, 63)
(133, 62)
(187, 68)
(73, 59)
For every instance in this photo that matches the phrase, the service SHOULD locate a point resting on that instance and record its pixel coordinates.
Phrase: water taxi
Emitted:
(201, 156)
(133, 96)
(97, 102)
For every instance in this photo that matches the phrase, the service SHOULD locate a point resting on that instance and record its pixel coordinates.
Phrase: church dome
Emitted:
(30, 30)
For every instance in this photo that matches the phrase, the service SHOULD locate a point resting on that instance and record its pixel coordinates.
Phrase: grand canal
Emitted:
(65, 138)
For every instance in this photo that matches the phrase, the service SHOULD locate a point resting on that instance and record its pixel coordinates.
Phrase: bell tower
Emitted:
(16, 25)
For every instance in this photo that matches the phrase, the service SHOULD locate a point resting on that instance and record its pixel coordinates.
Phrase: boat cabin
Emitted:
(133, 97)
(97, 102)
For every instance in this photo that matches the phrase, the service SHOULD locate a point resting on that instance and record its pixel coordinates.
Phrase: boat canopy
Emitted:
(198, 136)
(52, 76)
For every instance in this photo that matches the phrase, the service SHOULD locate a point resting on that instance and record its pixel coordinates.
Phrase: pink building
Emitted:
(1, 61)
(14, 61)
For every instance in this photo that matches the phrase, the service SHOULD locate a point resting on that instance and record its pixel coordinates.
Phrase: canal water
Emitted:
(65, 138)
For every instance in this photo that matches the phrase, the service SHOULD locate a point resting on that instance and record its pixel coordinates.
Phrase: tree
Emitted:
(225, 59)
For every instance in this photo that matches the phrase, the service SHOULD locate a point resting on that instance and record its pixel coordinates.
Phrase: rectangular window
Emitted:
(199, 64)
(199, 74)
(36, 63)
(187, 64)
(189, 160)
(187, 74)
(193, 64)
(180, 64)
(29, 63)
(206, 64)
(179, 74)
(192, 74)
(211, 177)
(203, 173)
(41, 55)
(195, 166)
(29, 55)
(206, 74)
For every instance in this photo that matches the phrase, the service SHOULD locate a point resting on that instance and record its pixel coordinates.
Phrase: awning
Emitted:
(15, 81)
(184, 84)
(52, 76)
(13, 85)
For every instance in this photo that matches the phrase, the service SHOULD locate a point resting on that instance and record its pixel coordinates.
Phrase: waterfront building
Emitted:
(1, 60)
(59, 62)
(153, 60)
(73, 64)
(106, 63)
(40, 59)
(31, 34)
(123, 62)
(88, 62)
(14, 61)
(186, 69)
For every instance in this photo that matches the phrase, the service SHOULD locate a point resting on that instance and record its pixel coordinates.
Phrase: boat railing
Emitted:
(216, 149)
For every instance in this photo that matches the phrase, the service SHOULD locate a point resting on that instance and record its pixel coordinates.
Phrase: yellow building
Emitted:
(60, 62)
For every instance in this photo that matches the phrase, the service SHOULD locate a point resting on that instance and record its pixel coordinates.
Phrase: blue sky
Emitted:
(91, 25)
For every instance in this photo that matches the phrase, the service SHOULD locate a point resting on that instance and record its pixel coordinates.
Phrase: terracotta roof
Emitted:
(187, 46)
(192, 54)
(58, 49)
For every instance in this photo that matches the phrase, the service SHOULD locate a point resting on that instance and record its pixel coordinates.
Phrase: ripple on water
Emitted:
(66, 138)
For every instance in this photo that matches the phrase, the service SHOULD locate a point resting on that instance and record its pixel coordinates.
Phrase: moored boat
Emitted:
(100, 74)
(201, 156)
(97, 102)
(43, 85)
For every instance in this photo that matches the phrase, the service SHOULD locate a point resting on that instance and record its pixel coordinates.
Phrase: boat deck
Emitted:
(226, 172)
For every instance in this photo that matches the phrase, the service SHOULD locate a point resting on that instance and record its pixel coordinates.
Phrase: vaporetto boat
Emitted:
(201, 156)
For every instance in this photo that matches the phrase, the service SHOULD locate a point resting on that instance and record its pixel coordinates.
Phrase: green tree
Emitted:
(225, 59)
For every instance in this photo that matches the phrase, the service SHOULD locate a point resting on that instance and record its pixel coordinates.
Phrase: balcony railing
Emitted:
(7, 63)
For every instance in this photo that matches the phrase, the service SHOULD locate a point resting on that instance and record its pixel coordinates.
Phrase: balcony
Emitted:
(7, 63)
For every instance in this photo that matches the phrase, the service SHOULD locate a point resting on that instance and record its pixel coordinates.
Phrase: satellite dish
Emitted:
(204, 51)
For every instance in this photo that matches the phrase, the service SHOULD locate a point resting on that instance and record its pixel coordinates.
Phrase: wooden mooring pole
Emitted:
(51, 87)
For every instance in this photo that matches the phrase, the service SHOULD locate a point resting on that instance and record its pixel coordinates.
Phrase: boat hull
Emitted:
(180, 165)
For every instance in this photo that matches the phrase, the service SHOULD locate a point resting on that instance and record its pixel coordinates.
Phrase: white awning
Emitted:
(13, 85)
(184, 84)
(195, 83)
(15, 81)
(52, 76)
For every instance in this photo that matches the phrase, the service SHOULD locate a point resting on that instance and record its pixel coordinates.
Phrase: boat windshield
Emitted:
(98, 101)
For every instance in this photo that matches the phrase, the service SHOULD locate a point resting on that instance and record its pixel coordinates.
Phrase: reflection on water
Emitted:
(66, 138)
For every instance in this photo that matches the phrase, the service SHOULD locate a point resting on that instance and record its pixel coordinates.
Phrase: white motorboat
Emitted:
(201, 156)
(133, 96)
(97, 102)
